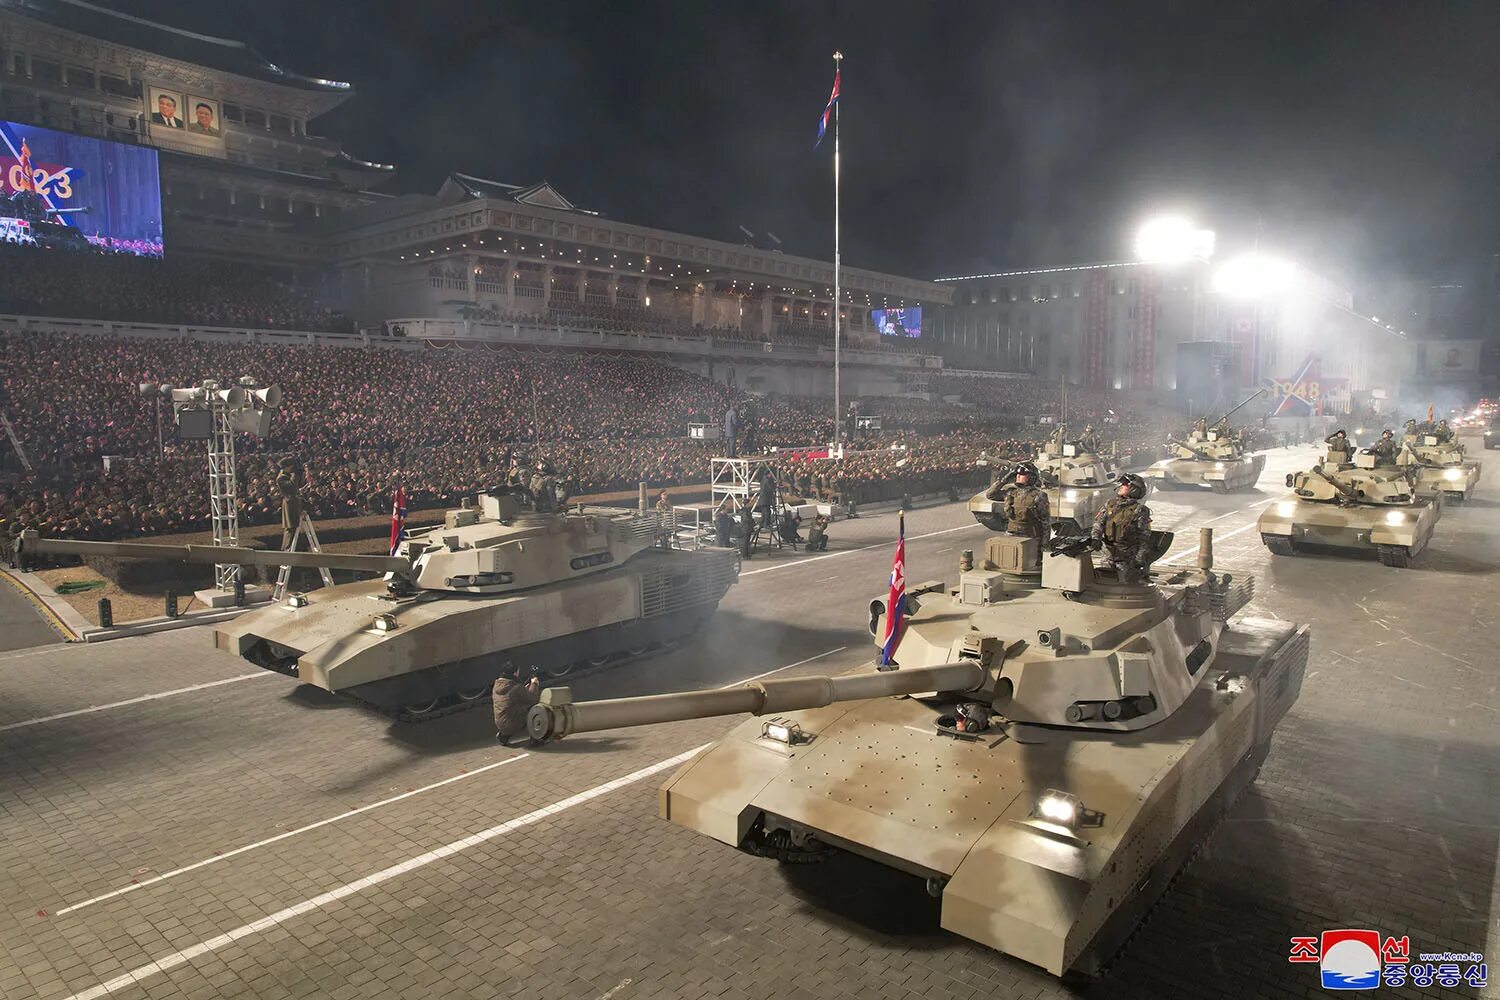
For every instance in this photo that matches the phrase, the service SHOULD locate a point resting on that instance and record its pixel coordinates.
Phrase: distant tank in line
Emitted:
(1214, 455)
(1353, 503)
(1443, 468)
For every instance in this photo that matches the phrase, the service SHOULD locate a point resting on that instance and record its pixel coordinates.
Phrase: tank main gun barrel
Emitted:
(557, 715)
(219, 554)
(1254, 395)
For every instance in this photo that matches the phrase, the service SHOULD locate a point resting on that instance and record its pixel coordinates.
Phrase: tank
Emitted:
(566, 591)
(1492, 434)
(1075, 475)
(1046, 753)
(1442, 468)
(1210, 455)
(1351, 504)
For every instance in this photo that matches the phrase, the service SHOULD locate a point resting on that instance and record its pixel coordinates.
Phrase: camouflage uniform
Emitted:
(1124, 526)
(1027, 512)
(513, 699)
(1384, 449)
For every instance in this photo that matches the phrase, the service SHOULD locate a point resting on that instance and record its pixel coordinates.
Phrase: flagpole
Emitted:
(838, 412)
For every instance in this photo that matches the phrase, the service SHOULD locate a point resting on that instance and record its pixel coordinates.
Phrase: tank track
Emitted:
(1190, 842)
(628, 651)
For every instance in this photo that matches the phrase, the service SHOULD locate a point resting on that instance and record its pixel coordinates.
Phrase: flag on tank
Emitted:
(828, 110)
(895, 603)
(398, 518)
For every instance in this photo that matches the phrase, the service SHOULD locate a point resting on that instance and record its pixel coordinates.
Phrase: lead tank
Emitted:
(1213, 456)
(1443, 468)
(1076, 477)
(1046, 753)
(494, 584)
(1352, 503)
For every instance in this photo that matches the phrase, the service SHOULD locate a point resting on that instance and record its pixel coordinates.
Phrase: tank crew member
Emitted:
(513, 699)
(1123, 526)
(1444, 432)
(1222, 427)
(1338, 441)
(1055, 442)
(1200, 426)
(1385, 449)
(817, 535)
(543, 493)
(1027, 511)
(1089, 443)
(1411, 429)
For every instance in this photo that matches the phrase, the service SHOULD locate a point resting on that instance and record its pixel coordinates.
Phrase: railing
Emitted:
(536, 333)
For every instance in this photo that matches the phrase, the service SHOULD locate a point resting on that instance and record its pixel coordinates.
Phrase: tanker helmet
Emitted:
(1026, 472)
(1136, 483)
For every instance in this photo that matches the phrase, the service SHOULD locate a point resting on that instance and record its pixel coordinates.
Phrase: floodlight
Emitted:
(1172, 239)
(1254, 276)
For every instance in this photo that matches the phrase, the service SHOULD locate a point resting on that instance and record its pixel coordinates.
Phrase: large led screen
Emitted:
(898, 322)
(67, 192)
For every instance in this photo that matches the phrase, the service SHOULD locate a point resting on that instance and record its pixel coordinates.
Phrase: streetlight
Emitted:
(1172, 239)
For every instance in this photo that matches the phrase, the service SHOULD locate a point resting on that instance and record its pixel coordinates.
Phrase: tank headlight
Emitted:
(296, 601)
(385, 623)
(1453, 475)
(784, 731)
(1218, 465)
(1286, 508)
(1395, 517)
(1058, 807)
(1070, 495)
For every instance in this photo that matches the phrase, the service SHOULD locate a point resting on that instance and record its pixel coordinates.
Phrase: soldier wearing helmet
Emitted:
(1123, 526)
(1384, 450)
(1027, 511)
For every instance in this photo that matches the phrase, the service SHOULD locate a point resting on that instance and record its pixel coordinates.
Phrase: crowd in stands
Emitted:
(442, 421)
(127, 288)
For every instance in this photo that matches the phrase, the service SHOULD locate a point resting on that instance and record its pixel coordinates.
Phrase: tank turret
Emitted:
(1043, 754)
(1352, 503)
(495, 584)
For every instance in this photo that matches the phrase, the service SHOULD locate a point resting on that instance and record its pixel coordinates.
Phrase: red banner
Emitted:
(1096, 329)
(1145, 334)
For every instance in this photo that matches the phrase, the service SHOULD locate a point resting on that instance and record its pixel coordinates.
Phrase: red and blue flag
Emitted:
(398, 518)
(895, 604)
(828, 111)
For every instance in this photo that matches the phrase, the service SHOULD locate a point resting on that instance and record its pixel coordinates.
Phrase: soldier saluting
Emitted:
(1123, 526)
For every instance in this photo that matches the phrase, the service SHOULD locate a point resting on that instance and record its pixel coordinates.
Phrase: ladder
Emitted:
(15, 442)
(303, 525)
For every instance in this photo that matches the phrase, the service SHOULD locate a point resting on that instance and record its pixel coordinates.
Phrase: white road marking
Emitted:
(1217, 538)
(778, 670)
(136, 701)
(863, 548)
(283, 836)
(177, 959)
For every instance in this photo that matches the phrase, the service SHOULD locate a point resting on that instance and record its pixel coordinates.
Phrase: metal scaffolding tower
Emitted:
(223, 490)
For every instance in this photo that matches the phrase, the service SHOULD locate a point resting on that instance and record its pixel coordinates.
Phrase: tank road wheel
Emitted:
(419, 709)
(1397, 556)
(1279, 545)
(557, 671)
(638, 650)
(475, 694)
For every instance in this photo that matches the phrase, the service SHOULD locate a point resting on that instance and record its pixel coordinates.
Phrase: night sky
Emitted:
(1361, 137)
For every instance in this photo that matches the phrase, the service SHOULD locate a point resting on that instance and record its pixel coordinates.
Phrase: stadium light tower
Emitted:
(1255, 276)
(216, 414)
(1172, 239)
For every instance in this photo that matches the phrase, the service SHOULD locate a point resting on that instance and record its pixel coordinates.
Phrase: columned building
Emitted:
(1122, 326)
